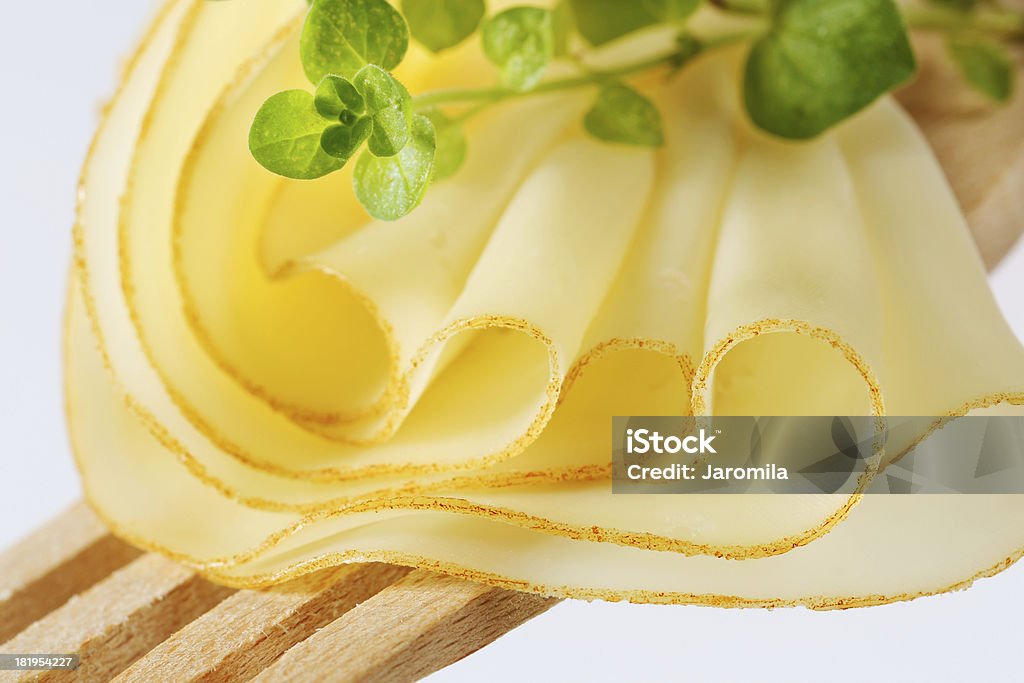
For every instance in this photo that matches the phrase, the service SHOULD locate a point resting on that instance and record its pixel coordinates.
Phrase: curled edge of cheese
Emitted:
(288, 511)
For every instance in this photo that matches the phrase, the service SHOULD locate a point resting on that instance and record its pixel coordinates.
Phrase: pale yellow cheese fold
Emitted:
(261, 380)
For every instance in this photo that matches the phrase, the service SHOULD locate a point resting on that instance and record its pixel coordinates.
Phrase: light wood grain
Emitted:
(248, 631)
(980, 145)
(63, 558)
(421, 624)
(117, 620)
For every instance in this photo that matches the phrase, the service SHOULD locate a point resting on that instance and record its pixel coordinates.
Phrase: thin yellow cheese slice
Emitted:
(438, 391)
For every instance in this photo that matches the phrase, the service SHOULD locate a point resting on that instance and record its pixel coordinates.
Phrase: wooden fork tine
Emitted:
(72, 588)
(248, 631)
(421, 624)
(117, 620)
(66, 556)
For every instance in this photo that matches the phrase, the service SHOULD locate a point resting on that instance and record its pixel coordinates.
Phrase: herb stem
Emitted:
(484, 97)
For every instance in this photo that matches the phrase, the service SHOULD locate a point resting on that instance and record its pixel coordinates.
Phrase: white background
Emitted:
(58, 61)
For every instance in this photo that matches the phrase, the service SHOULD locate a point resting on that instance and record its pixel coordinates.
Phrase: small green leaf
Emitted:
(521, 41)
(623, 115)
(335, 96)
(440, 24)
(602, 21)
(562, 26)
(451, 145)
(671, 11)
(344, 139)
(823, 61)
(341, 36)
(391, 187)
(285, 137)
(985, 65)
(390, 107)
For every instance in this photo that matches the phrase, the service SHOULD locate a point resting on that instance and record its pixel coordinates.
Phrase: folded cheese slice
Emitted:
(438, 391)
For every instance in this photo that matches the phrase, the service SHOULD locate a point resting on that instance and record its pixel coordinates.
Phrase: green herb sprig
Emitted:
(811, 64)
